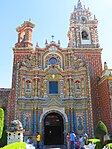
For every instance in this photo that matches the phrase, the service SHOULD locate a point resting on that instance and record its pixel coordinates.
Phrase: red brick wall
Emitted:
(93, 59)
(104, 101)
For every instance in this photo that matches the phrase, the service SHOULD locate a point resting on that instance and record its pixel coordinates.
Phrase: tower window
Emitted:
(83, 19)
(53, 87)
(84, 35)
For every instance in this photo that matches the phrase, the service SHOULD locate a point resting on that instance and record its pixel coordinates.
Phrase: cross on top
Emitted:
(52, 37)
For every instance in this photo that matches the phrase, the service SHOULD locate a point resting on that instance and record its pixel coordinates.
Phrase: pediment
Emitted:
(53, 102)
(54, 70)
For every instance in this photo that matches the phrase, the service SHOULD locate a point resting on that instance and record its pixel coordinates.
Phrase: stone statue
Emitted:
(16, 125)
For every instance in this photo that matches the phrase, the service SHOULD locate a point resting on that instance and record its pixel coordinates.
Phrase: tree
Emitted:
(1, 121)
(3, 140)
(101, 130)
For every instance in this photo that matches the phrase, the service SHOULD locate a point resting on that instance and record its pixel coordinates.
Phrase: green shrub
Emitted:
(97, 142)
(101, 130)
(3, 140)
(107, 142)
(109, 145)
(1, 121)
(16, 145)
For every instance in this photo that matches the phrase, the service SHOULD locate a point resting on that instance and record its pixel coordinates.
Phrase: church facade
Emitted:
(56, 90)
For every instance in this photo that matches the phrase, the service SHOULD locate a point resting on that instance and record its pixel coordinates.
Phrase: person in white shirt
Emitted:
(85, 136)
(81, 140)
(72, 140)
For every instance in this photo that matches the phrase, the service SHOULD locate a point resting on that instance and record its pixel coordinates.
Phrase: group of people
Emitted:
(76, 143)
(72, 141)
(30, 141)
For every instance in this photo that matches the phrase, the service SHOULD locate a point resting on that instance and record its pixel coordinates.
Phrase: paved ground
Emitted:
(47, 147)
(54, 148)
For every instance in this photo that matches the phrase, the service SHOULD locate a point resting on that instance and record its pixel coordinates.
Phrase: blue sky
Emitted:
(51, 17)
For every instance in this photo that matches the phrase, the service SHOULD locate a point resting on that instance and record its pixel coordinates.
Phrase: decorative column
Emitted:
(42, 88)
(69, 59)
(38, 87)
(67, 87)
(23, 87)
(77, 30)
(61, 88)
(35, 87)
(82, 87)
(70, 86)
(39, 113)
(45, 88)
(34, 121)
(72, 118)
(37, 119)
(68, 116)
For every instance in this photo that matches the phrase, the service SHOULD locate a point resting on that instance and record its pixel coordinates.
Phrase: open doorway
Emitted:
(53, 128)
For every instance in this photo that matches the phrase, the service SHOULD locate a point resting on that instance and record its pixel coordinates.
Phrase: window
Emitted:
(53, 61)
(28, 84)
(53, 87)
(83, 19)
(77, 84)
(84, 35)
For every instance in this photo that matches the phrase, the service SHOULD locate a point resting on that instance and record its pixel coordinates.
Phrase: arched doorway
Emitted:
(53, 129)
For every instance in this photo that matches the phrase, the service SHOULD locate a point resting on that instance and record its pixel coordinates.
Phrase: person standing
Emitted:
(29, 140)
(38, 140)
(81, 141)
(68, 140)
(72, 140)
(85, 136)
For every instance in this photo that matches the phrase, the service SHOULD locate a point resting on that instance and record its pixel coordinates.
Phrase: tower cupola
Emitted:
(25, 34)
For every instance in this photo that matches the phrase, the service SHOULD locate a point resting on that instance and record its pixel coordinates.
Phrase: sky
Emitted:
(51, 17)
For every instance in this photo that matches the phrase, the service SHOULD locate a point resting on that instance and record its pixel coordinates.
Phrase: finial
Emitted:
(46, 42)
(58, 41)
(94, 17)
(75, 7)
(37, 44)
(84, 7)
(105, 66)
(52, 38)
(29, 19)
(79, 5)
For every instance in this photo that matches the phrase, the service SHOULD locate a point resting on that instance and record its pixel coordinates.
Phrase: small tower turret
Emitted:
(79, 5)
(25, 35)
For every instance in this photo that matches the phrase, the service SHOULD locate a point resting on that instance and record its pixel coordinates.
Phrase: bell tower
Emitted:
(84, 42)
(25, 35)
(83, 28)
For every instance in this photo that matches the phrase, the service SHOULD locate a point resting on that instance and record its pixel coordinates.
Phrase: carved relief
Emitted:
(27, 120)
(78, 64)
(29, 62)
(80, 122)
